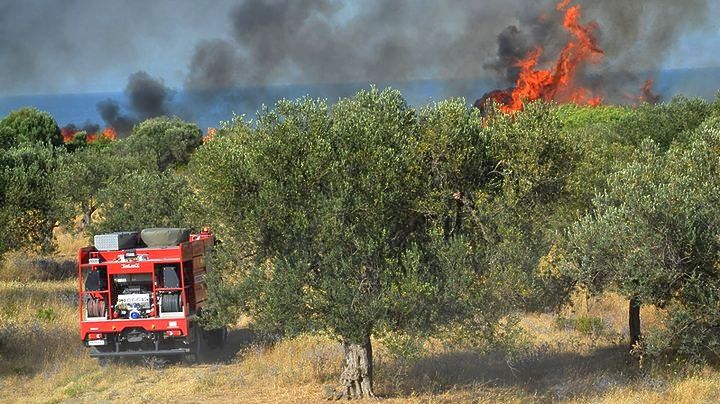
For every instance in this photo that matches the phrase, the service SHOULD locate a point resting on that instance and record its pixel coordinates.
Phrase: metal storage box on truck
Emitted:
(116, 241)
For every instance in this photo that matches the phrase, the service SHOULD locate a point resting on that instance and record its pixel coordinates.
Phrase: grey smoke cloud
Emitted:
(73, 46)
(326, 41)
(47, 46)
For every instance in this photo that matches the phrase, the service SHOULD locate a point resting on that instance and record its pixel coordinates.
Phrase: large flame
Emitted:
(558, 82)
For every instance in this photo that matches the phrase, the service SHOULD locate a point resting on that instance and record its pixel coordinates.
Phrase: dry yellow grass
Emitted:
(42, 360)
(68, 243)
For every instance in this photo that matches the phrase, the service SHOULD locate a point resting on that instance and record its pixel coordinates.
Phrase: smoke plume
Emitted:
(148, 97)
(250, 44)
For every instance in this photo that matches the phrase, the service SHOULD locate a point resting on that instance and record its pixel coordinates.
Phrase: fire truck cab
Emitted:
(142, 294)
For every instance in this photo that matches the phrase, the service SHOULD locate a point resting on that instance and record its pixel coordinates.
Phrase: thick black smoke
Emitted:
(326, 41)
(112, 116)
(215, 64)
(148, 97)
(88, 127)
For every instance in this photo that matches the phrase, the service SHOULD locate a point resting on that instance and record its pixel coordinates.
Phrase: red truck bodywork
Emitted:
(105, 333)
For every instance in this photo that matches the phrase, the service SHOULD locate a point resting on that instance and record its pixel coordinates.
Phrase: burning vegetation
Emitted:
(90, 134)
(561, 81)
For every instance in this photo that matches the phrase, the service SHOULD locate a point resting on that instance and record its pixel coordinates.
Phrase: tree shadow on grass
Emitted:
(548, 376)
(237, 339)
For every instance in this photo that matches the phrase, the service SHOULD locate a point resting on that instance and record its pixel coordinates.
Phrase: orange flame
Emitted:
(558, 82)
(647, 93)
(109, 133)
(211, 132)
(68, 135)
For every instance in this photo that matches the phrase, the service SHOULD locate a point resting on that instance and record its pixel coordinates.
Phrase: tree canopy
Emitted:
(168, 142)
(29, 126)
(338, 212)
(653, 236)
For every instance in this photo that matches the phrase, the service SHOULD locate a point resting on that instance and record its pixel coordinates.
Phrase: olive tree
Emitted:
(84, 173)
(28, 210)
(652, 236)
(29, 126)
(168, 142)
(140, 199)
(332, 221)
(528, 200)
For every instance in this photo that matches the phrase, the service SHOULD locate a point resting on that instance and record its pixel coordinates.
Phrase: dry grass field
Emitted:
(575, 356)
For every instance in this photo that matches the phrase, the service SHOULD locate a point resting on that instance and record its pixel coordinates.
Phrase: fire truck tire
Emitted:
(197, 345)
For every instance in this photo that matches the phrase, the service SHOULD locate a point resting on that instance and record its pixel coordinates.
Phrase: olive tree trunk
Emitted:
(356, 378)
(634, 321)
(87, 210)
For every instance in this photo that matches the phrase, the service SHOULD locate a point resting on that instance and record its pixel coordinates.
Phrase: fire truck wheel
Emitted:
(196, 345)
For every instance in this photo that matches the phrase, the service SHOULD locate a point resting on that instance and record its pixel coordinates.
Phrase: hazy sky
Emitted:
(74, 46)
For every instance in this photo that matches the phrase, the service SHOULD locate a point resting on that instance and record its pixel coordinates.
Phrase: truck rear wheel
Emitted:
(197, 345)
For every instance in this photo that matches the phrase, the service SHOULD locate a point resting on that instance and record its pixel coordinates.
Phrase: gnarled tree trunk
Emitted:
(356, 378)
(634, 321)
(88, 208)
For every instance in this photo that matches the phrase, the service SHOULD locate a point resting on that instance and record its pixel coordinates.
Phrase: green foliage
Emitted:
(83, 174)
(653, 234)
(28, 212)
(519, 219)
(338, 212)
(663, 123)
(27, 205)
(29, 126)
(588, 325)
(140, 199)
(577, 118)
(46, 314)
(168, 142)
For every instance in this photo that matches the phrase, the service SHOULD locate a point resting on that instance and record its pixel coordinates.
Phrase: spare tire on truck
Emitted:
(164, 237)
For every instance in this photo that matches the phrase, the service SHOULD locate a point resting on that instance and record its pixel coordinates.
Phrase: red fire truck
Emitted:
(142, 294)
